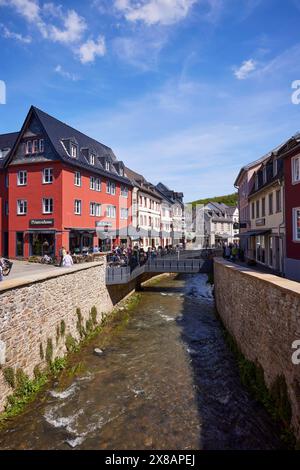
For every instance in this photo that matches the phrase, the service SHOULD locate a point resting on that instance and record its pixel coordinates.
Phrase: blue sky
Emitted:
(184, 91)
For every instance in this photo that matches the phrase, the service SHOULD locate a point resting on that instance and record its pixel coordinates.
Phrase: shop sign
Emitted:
(103, 224)
(41, 222)
(260, 222)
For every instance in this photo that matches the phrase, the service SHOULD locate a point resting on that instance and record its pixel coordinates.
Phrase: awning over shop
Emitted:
(253, 233)
(165, 234)
(81, 230)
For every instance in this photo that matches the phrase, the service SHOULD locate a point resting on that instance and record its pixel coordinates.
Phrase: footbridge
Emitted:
(186, 262)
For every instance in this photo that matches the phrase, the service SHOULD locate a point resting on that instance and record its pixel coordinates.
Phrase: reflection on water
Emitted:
(166, 381)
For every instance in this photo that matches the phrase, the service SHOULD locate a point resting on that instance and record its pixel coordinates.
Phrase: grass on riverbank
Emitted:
(26, 390)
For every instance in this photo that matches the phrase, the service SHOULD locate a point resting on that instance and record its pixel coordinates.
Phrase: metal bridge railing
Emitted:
(118, 275)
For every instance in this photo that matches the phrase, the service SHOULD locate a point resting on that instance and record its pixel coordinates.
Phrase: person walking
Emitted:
(67, 260)
(62, 254)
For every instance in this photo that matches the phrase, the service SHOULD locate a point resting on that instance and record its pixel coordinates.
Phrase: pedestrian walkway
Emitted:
(24, 268)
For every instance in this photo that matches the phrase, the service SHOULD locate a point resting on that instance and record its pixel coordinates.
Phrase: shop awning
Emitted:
(40, 230)
(253, 233)
(81, 230)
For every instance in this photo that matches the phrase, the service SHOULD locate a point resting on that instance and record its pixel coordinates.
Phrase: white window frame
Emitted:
(278, 201)
(98, 209)
(47, 205)
(47, 175)
(22, 182)
(22, 207)
(29, 142)
(92, 183)
(264, 175)
(111, 187)
(295, 237)
(77, 178)
(74, 150)
(41, 145)
(77, 206)
(98, 184)
(275, 167)
(107, 166)
(35, 146)
(92, 159)
(293, 162)
(124, 217)
(95, 209)
(109, 211)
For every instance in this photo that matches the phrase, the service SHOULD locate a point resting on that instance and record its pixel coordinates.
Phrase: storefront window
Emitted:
(81, 242)
(42, 244)
(260, 248)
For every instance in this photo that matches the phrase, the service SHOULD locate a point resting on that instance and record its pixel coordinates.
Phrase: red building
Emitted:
(59, 187)
(290, 152)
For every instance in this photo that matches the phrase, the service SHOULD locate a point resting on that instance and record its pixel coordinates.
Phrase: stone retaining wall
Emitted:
(262, 313)
(32, 309)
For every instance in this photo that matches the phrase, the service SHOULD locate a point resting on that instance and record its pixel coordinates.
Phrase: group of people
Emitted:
(136, 256)
(233, 252)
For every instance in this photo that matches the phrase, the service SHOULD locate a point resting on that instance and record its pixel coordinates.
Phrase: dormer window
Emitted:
(35, 146)
(28, 147)
(256, 182)
(264, 174)
(73, 151)
(121, 172)
(107, 165)
(3, 153)
(275, 167)
(92, 159)
(41, 145)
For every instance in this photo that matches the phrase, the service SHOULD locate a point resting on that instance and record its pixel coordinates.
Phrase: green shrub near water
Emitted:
(79, 325)
(93, 315)
(62, 328)
(9, 376)
(49, 350)
(71, 343)
(58, 365)
(41, 352)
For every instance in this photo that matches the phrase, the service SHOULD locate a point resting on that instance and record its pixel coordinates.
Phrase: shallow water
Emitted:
(165, 381)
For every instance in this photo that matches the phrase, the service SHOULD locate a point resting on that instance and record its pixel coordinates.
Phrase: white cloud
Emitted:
(65, 74)
(91, 49)
(151, 12)
(140, 50)
(66, 27)
(6, 33)
(245, 69)
(74, 27)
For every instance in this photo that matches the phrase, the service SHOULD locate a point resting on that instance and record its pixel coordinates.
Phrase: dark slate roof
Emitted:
(173, 195)
(58, 131)
(140, 182)
(7, 141)
(258, 162)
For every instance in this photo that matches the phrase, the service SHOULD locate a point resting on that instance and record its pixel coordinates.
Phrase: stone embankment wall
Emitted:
(39, 311)
(262, 313)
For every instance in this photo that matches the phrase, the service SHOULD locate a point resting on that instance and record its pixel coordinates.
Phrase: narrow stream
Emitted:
(166, 381)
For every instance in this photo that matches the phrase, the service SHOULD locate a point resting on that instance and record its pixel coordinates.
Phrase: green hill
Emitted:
(230, 200)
